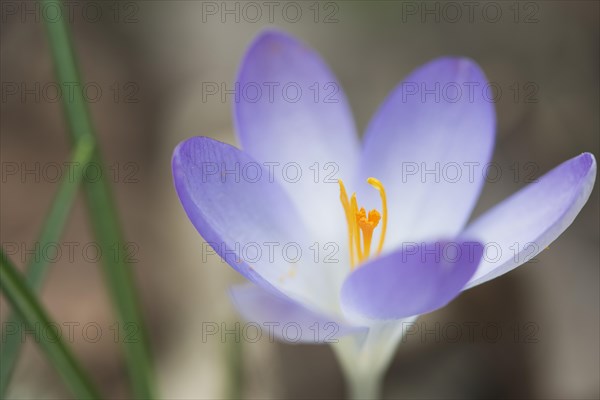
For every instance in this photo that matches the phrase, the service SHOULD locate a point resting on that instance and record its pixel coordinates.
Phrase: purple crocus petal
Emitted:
(523, 225)
(286, 319)
(439, 119)
(300, 124)
(416, 279)
(235, 210)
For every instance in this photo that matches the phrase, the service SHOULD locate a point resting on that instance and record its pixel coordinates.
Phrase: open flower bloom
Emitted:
(347, 239)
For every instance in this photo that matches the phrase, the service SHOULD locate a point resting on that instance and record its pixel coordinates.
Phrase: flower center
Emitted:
(361, 225)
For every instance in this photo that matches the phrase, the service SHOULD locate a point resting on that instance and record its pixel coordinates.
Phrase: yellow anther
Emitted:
(349, 221)
(379, 186)
(355, 229)
(359, 221)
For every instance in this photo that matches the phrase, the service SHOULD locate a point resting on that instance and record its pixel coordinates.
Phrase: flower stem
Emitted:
(365, 357)
(364, 387)
(363, 380)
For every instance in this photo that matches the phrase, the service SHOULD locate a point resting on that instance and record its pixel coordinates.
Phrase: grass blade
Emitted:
(36, 268)
(22, 299)
(102, 211)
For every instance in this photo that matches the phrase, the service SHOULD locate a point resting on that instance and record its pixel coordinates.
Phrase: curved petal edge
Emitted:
(522, 226)
(417, 279)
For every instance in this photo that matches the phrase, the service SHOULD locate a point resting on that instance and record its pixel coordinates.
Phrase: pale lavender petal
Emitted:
(416, 279)
(286, 319)
(523, 225)
(231, 201)
(309, 140)
(427, 144)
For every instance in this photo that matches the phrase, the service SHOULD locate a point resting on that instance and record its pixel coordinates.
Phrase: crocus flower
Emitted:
(289, 210)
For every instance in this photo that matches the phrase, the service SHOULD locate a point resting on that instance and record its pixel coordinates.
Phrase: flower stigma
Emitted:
(362, 224)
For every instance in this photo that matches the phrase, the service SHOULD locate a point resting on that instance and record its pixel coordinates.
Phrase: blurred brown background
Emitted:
(151, 58)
